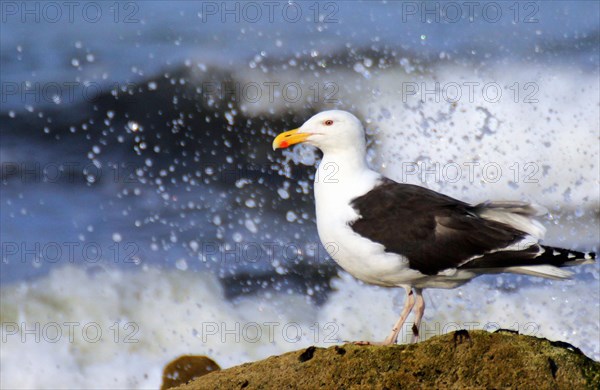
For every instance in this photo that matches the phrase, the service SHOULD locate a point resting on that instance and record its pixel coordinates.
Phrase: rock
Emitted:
(185, 368)
(476, 359)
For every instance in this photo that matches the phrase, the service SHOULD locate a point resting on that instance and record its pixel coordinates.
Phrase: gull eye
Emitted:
(328, 122)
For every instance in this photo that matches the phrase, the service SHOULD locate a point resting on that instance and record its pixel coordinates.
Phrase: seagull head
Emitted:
(329, 131)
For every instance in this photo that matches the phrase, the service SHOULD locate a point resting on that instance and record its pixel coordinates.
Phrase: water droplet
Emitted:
(181, 264)
(251, 226)
(283, 193)
(291, 216)
(133, 126)
(229, 118)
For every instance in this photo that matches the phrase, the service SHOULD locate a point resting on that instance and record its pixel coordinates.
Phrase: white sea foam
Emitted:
(537, 141)
(159, 316)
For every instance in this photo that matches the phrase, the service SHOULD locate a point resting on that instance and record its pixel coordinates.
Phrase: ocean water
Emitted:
(125, 245)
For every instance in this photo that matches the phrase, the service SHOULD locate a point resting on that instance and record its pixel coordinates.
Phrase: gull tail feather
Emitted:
(536, 260)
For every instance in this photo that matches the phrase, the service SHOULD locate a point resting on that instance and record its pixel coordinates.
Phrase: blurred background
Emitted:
(144, 214)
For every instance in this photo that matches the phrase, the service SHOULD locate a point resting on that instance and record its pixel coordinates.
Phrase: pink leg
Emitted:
(419, 310)
(392, 338)
(409, 303)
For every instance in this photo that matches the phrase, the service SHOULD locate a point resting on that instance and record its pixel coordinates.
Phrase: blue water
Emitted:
(131, 39)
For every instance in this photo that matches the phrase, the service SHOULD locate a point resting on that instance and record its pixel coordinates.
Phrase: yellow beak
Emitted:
(289, 138)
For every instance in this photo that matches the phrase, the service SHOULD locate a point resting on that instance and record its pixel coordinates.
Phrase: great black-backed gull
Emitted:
(401, 235)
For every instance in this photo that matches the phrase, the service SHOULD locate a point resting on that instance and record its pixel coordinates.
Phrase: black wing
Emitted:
(433, 231)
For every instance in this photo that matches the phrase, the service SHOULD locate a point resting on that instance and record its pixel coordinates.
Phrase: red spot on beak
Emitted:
(284, 144)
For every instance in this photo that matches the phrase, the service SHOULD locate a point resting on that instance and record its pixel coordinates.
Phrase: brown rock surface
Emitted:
(185, 368)
(477, 360)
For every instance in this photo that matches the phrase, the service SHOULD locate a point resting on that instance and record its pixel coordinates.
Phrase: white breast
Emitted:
(362, 258)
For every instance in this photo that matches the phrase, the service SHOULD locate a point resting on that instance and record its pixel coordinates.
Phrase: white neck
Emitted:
(344, 174)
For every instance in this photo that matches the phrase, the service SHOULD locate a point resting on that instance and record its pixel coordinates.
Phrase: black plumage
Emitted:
(436, 232)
